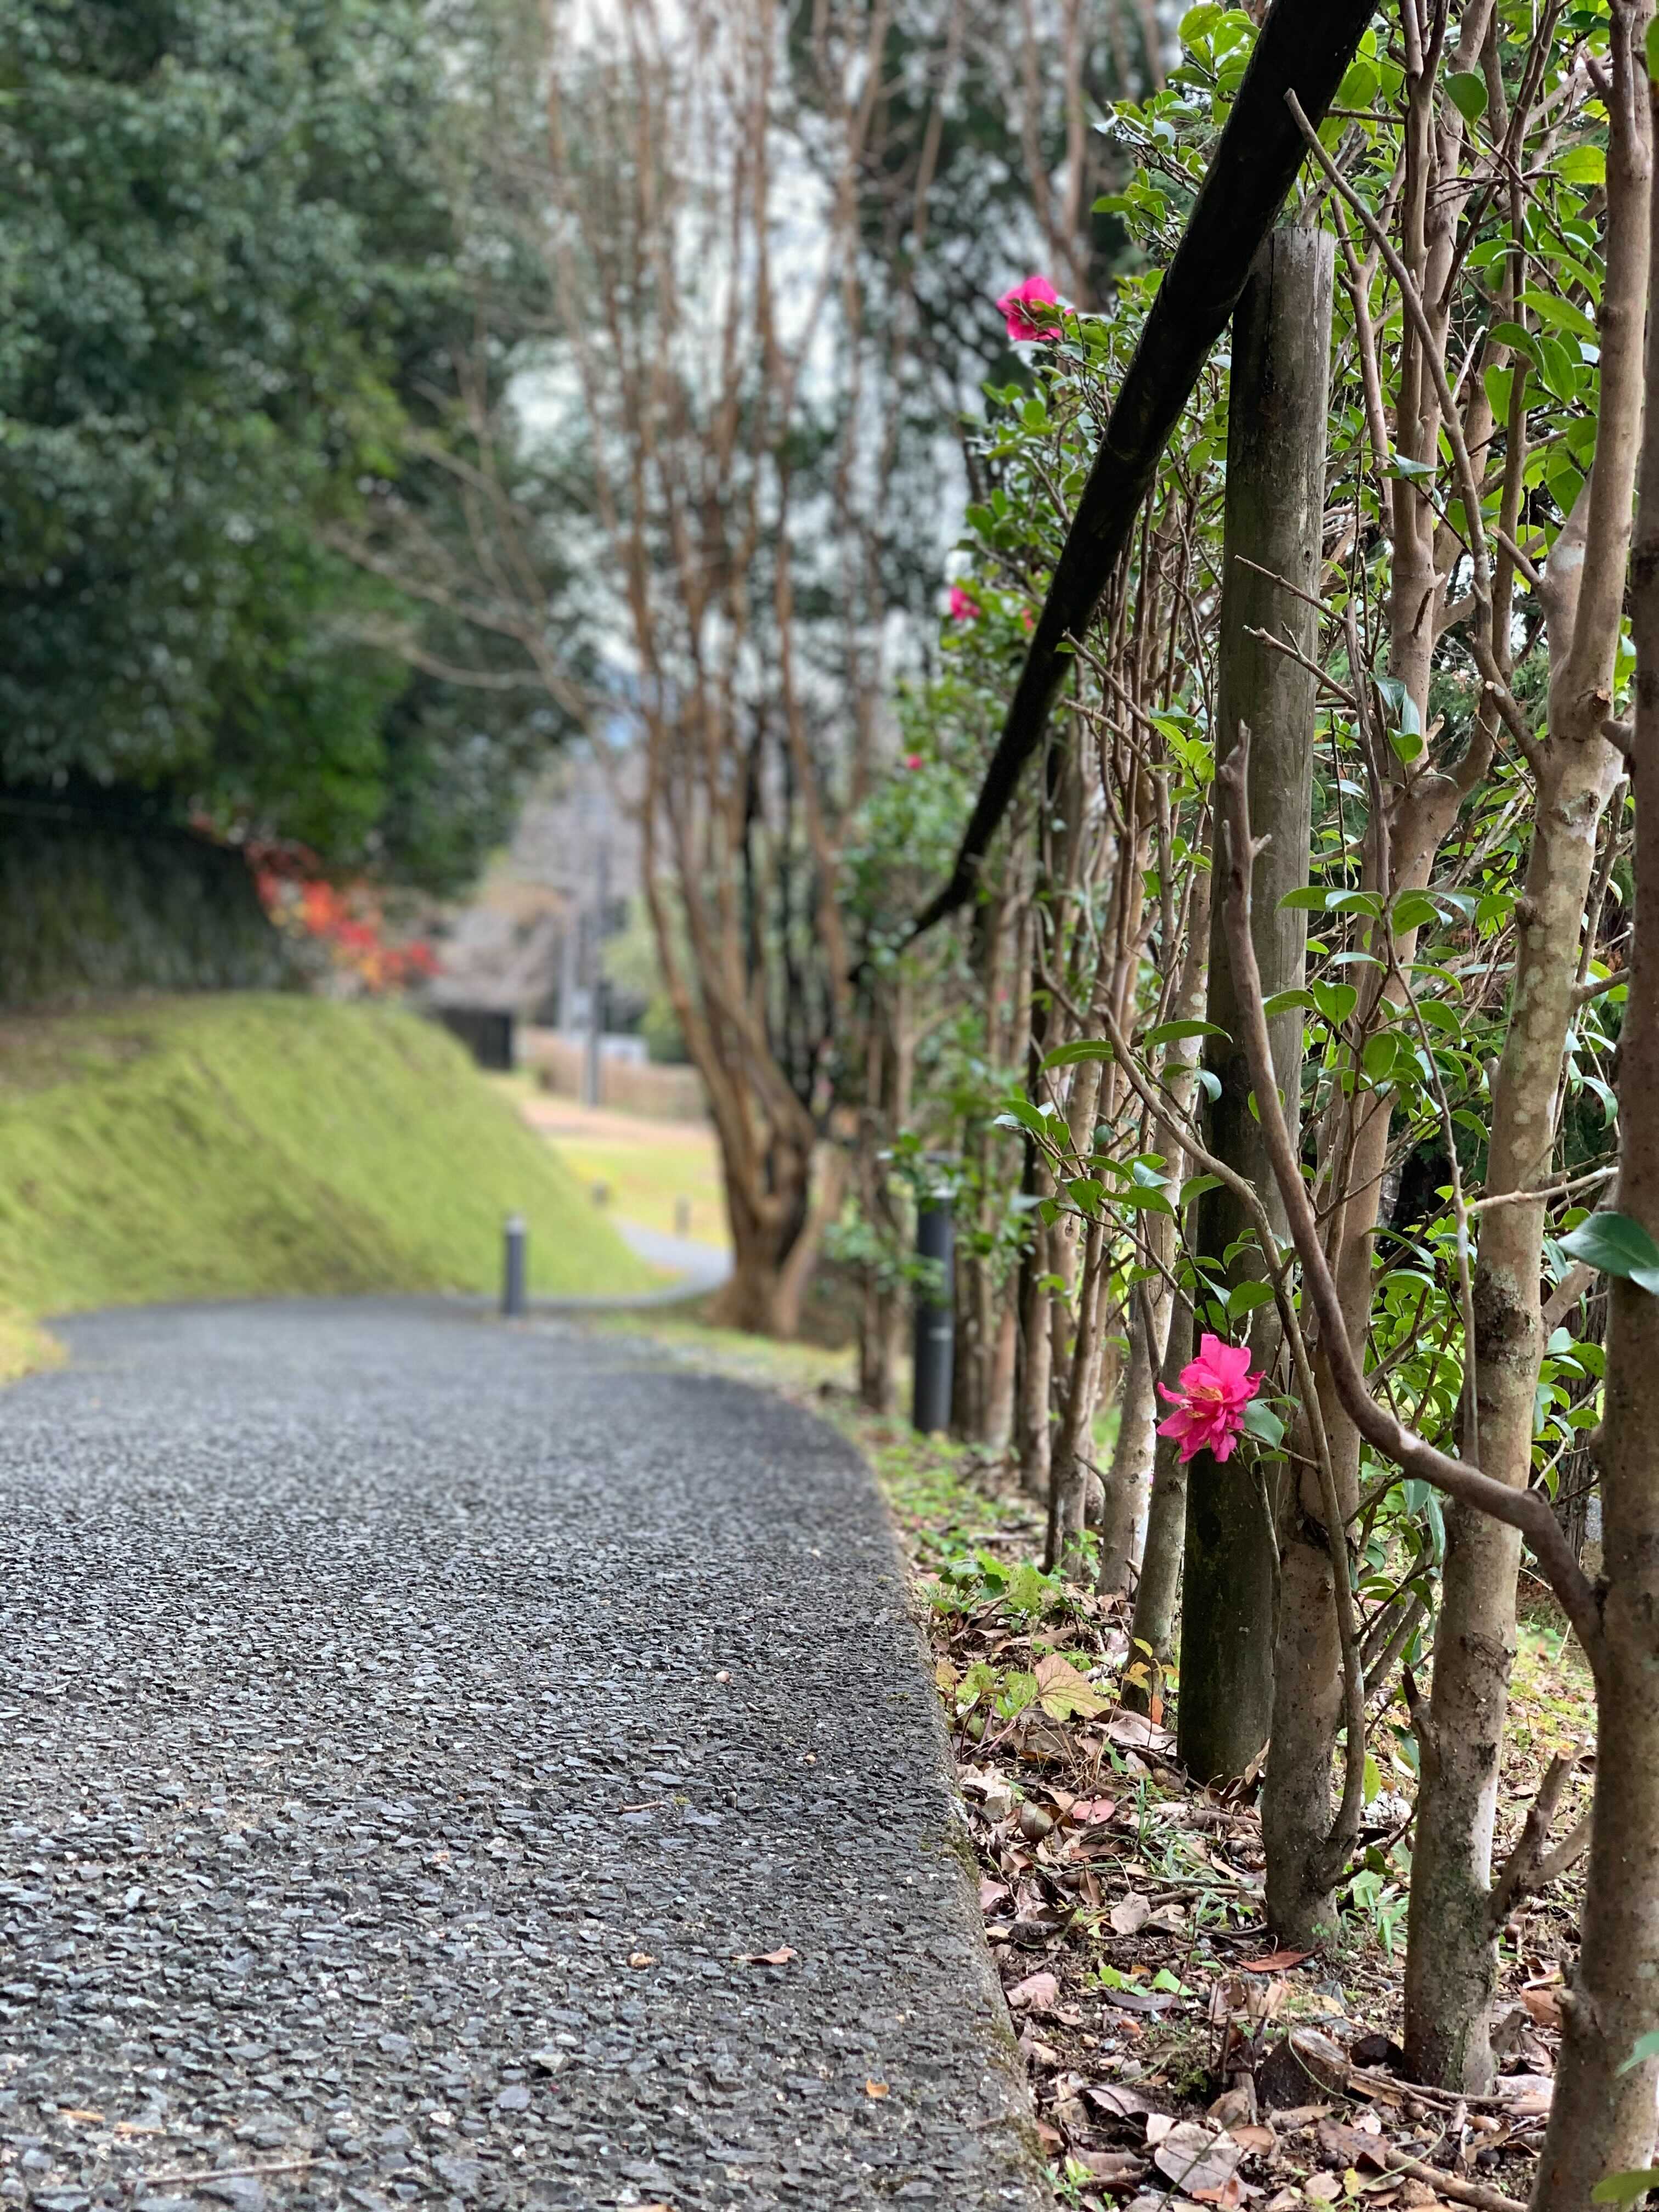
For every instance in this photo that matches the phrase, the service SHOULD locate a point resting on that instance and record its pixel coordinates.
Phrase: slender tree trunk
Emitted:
(1451, 1961)
(1000, 1396)
(1276, 434)
(1151, 1631)
(1602, 2119)
(1033, 1428)
(1131, 1469)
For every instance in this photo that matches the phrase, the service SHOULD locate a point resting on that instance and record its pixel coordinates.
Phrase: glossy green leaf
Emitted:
(1618, 1246)
(1467, 90)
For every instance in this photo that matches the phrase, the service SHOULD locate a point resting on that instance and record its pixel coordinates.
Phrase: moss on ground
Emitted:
(252, 1145)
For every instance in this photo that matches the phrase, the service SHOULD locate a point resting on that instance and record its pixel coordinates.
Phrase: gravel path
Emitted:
(406, 1723)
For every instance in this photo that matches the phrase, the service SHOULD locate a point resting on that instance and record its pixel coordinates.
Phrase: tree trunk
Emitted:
(1132, 1461)
(1152, 1631)
(1276, 433)
(1451, 1959)
(1031, 1413)
(775, 1234)
(1602, 2119)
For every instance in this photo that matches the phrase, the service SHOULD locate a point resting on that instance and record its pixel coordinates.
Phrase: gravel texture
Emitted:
(406, 1722)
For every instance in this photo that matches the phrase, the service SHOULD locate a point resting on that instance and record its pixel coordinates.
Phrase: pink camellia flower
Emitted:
(913, 760)
(964, 606)
(1016, 306)
(1209, 1408)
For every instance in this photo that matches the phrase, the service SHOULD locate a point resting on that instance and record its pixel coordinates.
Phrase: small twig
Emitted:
(1446, 2185)
(1529, 1868)
(1561, 1189)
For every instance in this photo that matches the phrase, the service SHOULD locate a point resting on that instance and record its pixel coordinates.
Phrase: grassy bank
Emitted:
(250, 1145)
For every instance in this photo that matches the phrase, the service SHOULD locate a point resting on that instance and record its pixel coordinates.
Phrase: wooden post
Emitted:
(1275, 504)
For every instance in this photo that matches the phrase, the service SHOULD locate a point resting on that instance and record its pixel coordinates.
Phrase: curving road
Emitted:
(413, 1733)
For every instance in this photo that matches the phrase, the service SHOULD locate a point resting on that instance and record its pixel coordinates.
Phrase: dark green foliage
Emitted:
(230, 283)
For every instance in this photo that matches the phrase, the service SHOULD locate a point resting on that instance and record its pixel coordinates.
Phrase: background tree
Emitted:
(231, 269)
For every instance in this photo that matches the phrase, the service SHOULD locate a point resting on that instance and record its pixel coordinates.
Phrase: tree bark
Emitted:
(1451, 1961)
(1126, 1482)
(1602, 2119)
(1276, 434)
(1151, 1631)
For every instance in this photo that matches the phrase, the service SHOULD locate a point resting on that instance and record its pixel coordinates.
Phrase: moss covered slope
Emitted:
(248, 1145)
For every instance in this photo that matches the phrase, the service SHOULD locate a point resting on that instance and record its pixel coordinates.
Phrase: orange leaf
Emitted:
(780, 1957)
(1275, 1962)
(875, 2088)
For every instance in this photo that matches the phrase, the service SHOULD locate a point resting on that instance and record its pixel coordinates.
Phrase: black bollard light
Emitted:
(935, 1324)
(516, 1238)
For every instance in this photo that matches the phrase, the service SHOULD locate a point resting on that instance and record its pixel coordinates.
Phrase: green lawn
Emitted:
(250, 1145)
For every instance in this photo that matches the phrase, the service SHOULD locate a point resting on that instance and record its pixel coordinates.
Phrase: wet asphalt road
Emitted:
(407, 1724)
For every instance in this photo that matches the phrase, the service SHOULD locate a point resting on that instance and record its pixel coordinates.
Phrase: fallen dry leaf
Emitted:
(1275, 1962)
(641, 1958)
(1323, 2188)
(993, 1893)
(1109, 2165)
(76, 2112)
(875, 2088)
(1544, 2006)
(780, 1957)
(1352, 2146)
(1118, 2101)
(1257, 2139)
(1229, 2195)
(1091, 1811)
(1036, 1993)
(1130, 1917)
(1063, 1693)
(1197, 2159)
(1136, 1731)
(1159, 2125)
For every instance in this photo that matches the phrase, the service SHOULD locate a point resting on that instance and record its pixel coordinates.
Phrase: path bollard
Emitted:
(682, 1217)
(935, 1324)
(513, 1299)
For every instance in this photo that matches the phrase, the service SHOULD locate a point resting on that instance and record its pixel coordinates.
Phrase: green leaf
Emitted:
(1412, 910)
(1261, 1422)
(1245, 1297)
(1172, 1032)
(1626, 2188)
(1335, 1001)
(1582, 164)
(1468, 90)
(1380, 1055)
(1195, 1186)
(1284, 1002)
(1311, 899)
(1561, 315)
(1069, 1056)
(1653, 50)
(1402, 707)
(1645, 2047)
(1617, 1246)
